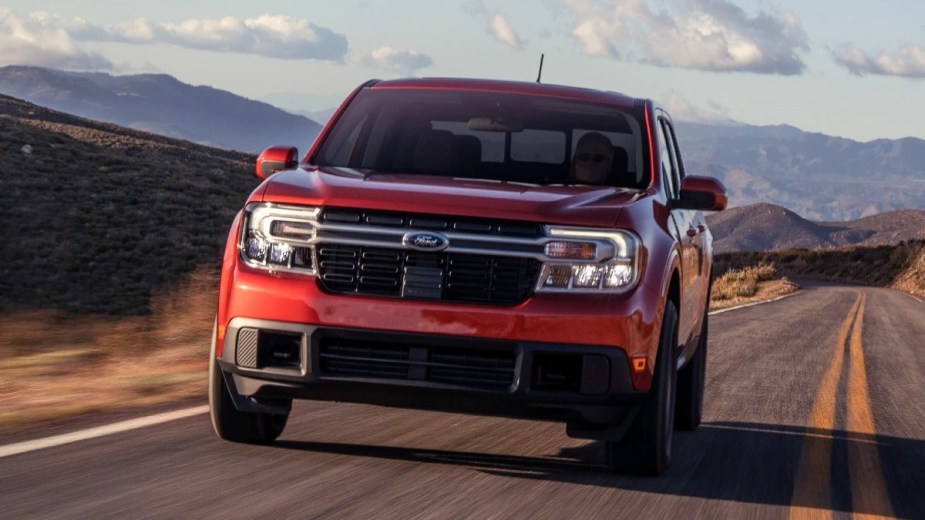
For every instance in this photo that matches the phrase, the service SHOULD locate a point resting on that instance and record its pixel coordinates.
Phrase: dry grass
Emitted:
(900, 266)
(742, 283)
(747, 285)
(54, 365)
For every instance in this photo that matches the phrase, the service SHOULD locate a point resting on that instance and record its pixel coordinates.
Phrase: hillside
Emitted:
(765, 227)
(160, 104)
(900, 267)
(98, 218)
(819, 177)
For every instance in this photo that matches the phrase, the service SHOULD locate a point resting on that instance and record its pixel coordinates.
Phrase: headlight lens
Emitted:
(278, 237)
(585, 260)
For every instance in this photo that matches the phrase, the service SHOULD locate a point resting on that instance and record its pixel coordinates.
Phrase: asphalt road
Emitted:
(815, 408)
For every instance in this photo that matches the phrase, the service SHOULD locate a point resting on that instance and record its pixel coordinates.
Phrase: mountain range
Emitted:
(161, 104)
(767, 227)
(817, 176)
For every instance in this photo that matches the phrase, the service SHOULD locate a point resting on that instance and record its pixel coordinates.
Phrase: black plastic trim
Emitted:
(587, 413)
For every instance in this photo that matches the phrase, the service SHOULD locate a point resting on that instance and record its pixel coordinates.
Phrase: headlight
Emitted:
(585, 260)
(279, 237)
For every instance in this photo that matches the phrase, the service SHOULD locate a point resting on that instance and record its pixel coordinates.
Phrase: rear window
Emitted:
(505, 137)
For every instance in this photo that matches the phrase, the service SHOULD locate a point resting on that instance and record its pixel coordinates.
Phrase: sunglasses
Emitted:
(592, 157)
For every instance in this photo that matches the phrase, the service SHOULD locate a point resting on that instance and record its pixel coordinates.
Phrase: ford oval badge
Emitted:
(425, 241)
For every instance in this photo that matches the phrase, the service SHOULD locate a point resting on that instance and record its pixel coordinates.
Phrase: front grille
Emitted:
(468, 367)
(501, 280)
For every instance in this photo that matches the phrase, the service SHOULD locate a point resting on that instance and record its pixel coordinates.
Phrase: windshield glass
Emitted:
(488, 135)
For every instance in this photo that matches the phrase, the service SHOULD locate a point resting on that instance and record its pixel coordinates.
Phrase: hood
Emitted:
(593, 206)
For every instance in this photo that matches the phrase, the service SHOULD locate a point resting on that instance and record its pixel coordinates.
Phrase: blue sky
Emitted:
(851, 69)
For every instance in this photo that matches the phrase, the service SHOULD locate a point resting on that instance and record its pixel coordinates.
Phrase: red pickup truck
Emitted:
(474, 246)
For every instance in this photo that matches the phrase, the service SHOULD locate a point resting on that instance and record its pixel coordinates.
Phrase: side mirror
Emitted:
(703, 193)
(276, 158)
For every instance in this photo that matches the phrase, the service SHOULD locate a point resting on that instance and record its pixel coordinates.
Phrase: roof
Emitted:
(510, 87)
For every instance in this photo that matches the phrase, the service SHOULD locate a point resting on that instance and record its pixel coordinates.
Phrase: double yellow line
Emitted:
(812, 488)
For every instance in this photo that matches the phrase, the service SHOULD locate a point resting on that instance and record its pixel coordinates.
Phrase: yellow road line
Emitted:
(812, 487)
(869, 497)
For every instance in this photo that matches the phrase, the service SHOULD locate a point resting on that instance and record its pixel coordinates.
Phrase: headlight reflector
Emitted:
(619, 275)
(279, 254)
(256, 249)
(587, 276)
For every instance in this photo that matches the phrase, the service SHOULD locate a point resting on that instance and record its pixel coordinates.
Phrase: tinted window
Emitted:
(677, 169)
(507, 137)
(669, 173)
(547, 146)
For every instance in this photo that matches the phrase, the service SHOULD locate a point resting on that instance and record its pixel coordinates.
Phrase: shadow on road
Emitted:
(743, 462)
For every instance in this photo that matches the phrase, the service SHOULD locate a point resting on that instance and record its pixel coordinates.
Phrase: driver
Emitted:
(593, 159)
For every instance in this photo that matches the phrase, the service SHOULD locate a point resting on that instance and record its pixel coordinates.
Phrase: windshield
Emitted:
(489, 135)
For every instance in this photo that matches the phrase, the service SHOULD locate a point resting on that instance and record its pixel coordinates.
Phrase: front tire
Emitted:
(691, 380)
(231, 424)
(646, 447)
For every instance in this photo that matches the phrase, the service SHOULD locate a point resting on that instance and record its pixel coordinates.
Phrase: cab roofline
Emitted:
(509, 87)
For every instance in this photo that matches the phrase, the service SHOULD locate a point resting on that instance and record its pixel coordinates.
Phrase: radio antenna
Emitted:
(540, 75)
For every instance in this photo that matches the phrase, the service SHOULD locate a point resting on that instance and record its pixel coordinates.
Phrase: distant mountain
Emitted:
(766, 227)
(160, 104)
(817, 176)
(321, 116)
(98, 218)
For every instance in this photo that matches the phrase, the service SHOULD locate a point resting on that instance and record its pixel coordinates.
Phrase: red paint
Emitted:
(276, 158)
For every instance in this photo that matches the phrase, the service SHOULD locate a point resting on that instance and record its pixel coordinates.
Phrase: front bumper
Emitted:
(587, 386)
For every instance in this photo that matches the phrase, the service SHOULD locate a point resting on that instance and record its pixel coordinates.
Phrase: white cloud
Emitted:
(498, 25)
(681, 109)
(31, 41)
(397, 61)
(711, 35)
(908, 61)
(271, 36)
(502, 31)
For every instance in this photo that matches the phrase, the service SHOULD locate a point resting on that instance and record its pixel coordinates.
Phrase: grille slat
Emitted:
(457, 366)
(465, 278)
